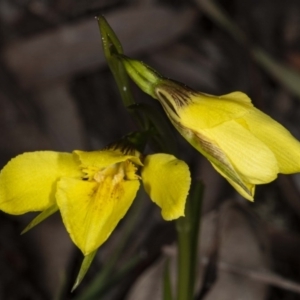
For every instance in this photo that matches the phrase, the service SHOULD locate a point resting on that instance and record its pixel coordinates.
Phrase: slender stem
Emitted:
(184, 259)
(167, 288)
(188, 242)
(196, 199)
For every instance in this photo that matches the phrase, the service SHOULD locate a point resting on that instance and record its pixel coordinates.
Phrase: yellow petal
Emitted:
(103, 158)
(206, 111)
(28, 181)
(167, 181)
(91, 211)
(252, 159)
(220, 161)
(284, 146)
(244, 188)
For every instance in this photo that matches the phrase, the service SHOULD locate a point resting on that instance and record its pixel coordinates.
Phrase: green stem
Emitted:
(184, 260)
(167, 288)
(188, 242)
(196, 199)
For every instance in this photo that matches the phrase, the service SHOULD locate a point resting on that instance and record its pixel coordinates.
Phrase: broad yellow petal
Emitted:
(206, 111)
(167, 181)
(103, 158)
(284, 146)
(252, 159)
(91, 211)
(28, 181)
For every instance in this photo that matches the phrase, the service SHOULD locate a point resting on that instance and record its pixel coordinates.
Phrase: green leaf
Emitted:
(112, 46)
(84, 268)
(41, 217)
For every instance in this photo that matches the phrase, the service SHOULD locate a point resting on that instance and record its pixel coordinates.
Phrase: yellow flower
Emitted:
(242, 143)
(92, 190)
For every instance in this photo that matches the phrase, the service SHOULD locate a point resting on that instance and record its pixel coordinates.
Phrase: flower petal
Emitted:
(167, 181)
(219, 160)
(245, 189)
(206, 111)
(103, 158)
(251, 158)
(91, 211)
(284, 146)
(28, 181)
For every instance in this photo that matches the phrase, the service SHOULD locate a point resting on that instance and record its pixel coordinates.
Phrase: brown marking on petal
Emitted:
(110, 188)
(180, 94)
(166, 103)
(116, 191)
(212, 152)
(180, 97)
(124, 146)
(219, 158)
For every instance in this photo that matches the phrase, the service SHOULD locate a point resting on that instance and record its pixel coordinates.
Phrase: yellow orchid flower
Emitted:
(92, 190)
(243, 144)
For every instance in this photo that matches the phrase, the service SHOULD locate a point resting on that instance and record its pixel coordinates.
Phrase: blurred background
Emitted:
(57, 93)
